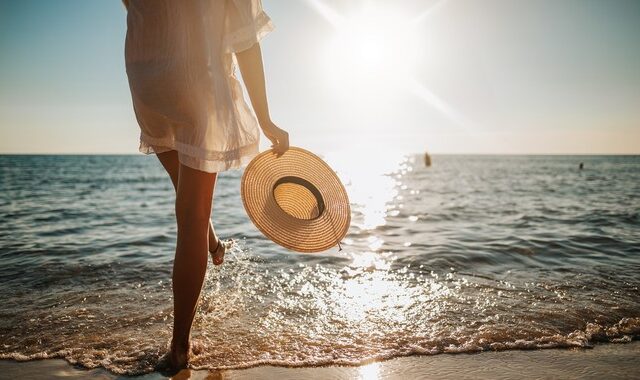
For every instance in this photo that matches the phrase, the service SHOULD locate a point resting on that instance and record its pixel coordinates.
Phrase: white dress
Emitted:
(179, 60)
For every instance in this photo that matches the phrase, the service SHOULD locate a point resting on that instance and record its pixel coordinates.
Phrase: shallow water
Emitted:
(475, 253)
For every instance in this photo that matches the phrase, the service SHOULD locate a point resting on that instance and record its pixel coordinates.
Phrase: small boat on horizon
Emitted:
(427, 159)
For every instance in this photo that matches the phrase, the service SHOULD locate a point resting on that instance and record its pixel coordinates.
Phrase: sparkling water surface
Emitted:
(474, 253)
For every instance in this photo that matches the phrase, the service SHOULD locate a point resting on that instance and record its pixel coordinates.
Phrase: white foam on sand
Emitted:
(611, 361)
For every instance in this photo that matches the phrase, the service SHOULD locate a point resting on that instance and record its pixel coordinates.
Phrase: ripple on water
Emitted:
(475, 253)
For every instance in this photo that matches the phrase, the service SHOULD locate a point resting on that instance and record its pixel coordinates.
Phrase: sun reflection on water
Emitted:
(375, 296)
(372, 179)
(369, 181)
(367, 261)
(369, 372)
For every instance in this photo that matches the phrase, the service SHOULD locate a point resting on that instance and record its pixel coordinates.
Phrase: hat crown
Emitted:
(298, 197)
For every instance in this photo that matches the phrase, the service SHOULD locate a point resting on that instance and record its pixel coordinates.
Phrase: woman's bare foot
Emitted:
(173, 361)
(179, 356)
(218, 248)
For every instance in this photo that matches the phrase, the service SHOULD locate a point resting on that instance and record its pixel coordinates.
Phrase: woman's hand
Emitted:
(279, 137)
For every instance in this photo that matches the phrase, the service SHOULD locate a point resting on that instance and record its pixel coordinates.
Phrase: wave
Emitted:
(135, 362)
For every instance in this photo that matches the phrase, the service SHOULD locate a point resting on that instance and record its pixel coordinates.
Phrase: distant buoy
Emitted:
(427, 160)
(581, 165)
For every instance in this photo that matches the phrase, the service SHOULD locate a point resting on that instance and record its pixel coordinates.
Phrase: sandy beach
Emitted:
(611, 361)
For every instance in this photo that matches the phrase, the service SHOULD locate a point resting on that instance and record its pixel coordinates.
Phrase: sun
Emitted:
(374, 54)
(372, 48)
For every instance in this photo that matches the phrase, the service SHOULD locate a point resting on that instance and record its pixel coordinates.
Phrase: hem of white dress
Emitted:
(244, 38)
(196, 158)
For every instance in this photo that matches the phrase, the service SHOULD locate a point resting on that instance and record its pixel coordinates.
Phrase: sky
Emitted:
(444, 76)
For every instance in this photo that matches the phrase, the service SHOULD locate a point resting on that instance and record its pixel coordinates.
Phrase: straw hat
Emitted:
(296, 200)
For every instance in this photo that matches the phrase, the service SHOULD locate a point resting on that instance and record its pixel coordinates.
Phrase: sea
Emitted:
(473, 253)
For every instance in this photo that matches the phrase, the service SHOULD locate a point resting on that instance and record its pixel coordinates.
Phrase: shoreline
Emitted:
(610, 360)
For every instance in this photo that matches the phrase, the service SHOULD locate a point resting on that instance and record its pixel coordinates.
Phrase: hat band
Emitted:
(298, 197)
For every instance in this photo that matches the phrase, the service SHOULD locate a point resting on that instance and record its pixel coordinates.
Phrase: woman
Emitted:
(192, 115)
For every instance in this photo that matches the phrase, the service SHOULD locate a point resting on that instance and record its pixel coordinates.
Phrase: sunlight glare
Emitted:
(366, 174)
(371, 48)
(433, 8)
(375, 53)
(370, 371)
(424, 93)
(375, 294)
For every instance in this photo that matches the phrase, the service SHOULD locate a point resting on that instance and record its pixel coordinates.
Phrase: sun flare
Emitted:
(372, 48)
(374, 54)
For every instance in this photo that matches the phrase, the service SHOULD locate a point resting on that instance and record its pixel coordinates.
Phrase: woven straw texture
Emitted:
(296, 200)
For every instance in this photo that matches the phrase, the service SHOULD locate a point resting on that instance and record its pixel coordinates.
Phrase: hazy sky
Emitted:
(456, 76)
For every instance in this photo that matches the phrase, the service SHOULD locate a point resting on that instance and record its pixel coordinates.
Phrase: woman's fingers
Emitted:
(282, 143)
(279, 139)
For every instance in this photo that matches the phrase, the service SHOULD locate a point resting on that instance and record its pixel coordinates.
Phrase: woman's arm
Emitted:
(250, 63)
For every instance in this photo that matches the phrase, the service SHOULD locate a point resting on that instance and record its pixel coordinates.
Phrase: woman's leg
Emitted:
(193, 208)
(171, 164)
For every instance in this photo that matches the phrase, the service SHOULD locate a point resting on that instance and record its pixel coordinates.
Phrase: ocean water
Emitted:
(475, 253)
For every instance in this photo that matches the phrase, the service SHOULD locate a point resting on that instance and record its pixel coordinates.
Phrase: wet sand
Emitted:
(611, 361)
